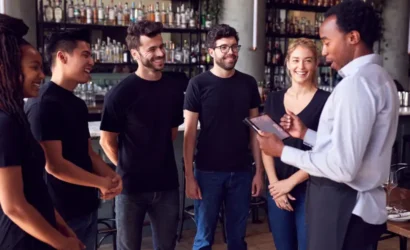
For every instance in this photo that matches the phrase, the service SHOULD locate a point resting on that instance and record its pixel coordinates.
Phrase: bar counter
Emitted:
(94, 126)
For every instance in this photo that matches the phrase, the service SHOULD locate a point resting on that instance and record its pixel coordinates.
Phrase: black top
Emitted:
(222, 104)
(310, 115)
(57, 114)
(143, 113)
(17, 149)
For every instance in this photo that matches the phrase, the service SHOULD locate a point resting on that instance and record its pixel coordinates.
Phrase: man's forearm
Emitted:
(100, 167)
(30, 220)
(68, 172)
(189, 146)
(111, 150)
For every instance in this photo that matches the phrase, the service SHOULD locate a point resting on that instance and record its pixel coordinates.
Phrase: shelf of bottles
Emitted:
(287, 20)
(189, 21)
(78, 13)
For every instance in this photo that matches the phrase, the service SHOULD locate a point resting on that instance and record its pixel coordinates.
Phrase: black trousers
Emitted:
(361, 235)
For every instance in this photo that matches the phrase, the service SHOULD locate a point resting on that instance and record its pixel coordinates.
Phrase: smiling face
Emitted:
(302, 65)
(32, 70)
(151, 53)
(79, 63)
(225, 53)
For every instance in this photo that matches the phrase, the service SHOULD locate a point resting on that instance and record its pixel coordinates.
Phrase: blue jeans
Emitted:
(289, 229)
(163, 212)
(232, 189)
(86, 229)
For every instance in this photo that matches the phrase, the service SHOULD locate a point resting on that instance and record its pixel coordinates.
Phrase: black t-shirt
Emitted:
(144, 113)
(58, 115)
(310, 115)
(17, 149)
(222, 104)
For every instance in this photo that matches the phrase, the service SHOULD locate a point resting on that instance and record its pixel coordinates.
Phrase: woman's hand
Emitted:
(281, 187)
(282, 202)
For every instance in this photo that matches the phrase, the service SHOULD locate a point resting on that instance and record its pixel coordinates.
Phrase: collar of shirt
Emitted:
(352, 67)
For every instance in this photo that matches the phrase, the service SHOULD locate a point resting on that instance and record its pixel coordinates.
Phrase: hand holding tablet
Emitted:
(265, 124)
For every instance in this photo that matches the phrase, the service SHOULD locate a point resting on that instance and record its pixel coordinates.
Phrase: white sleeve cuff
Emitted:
(310, 138)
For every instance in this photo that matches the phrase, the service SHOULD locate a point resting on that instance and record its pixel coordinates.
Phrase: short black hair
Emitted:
(142, 28)
(220, 31)
(359, 16)
(65, 41)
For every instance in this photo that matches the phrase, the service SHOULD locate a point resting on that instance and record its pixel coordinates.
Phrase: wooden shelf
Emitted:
(279, 35)
(300, 7)
(53, 25)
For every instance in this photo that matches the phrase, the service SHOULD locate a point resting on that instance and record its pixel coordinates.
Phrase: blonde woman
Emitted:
(287, 187)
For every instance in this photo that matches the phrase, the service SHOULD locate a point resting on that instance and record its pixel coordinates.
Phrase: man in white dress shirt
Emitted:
(351, 154)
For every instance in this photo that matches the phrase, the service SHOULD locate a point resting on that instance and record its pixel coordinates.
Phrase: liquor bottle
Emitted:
(178, 18)
(120, 19)
(183, 17)
(208, 22)
(58, 12)
(111, 14)
(70, 12)
(77, 14)
(89, 13)
(132, 13)
(83, 13)
(170, 15)
(157, 14)
(48, 12)
(95, 12)
(101, 14)
(164, 15)
(126, 15)
(140, 12)
(192, 19)
(125, 55)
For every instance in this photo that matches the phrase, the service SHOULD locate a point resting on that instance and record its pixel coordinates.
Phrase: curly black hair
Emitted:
(142, 28)
(220, 31)
(359, 16)
(65, 41)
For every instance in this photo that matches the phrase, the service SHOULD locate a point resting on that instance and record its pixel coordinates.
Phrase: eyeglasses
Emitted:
(225, 48)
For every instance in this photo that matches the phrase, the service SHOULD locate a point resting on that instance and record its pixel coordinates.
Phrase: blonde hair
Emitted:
(308, 44)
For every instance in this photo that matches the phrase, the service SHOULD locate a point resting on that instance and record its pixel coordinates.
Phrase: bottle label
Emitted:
(208, 24)
(111, 15)
(101, 14)
(125, 57)
(49, 14)
(157, 17)
(71, 13)
(58, 14)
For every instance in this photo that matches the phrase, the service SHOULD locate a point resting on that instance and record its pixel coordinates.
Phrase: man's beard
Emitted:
(225, 65)
(149, 63)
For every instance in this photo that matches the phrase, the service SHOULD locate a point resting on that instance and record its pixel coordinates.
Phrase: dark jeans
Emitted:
(234, 190)
(85, 228)
(289, 228)
(162, 209)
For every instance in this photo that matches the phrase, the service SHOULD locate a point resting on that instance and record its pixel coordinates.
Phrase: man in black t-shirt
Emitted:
(140, 120)
(58, 120)
(221, 99)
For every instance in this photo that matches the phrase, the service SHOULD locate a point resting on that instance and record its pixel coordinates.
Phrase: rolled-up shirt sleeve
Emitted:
(354, 114)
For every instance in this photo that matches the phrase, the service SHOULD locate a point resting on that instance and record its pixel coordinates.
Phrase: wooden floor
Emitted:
(258, 238)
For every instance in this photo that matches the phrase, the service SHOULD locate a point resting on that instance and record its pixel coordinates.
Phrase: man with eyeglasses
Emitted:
(140, 121)
(220, 99)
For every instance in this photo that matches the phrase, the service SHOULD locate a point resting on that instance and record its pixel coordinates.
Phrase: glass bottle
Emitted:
(58, 12)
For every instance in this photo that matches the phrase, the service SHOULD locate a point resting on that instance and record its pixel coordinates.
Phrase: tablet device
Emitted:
(266, 124)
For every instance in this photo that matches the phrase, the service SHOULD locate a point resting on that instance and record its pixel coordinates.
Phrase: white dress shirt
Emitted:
(356, 132)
